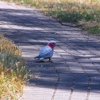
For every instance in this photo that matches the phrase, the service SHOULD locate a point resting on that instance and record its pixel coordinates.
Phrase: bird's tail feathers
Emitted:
(37, 57)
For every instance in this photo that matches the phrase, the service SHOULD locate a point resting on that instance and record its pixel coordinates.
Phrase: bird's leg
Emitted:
(50, 60)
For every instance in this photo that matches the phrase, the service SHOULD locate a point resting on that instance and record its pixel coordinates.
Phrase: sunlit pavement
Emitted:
(75, 73)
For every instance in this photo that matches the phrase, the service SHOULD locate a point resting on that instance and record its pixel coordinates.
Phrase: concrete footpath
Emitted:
(75, 73)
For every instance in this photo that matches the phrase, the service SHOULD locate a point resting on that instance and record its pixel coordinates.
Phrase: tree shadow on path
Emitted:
(29, 30)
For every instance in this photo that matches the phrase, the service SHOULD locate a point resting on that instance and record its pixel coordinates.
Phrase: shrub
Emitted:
(13, 72)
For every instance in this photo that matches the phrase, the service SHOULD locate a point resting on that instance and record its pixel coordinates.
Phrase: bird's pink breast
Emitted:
(51, 45)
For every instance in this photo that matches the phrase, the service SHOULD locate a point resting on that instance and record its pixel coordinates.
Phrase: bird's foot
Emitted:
(51, 61)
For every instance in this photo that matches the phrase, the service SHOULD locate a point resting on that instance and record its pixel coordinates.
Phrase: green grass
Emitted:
(13, 72)
(85, 14)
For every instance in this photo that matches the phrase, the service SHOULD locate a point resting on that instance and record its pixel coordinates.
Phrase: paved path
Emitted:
(75, 73)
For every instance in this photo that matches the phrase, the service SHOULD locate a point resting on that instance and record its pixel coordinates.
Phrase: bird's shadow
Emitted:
(44, 61)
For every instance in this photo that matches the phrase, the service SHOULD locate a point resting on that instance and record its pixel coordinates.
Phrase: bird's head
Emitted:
(52, 44)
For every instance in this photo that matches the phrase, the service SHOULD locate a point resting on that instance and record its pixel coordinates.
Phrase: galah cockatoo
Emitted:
(46, 52)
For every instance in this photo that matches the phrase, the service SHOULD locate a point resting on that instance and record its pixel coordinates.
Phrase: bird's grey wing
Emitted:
(46, 52)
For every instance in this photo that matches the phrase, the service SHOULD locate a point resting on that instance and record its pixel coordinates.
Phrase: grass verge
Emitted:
(84, 13)
(13, 72)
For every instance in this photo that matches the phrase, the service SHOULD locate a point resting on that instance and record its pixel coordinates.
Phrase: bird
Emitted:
(46, 52)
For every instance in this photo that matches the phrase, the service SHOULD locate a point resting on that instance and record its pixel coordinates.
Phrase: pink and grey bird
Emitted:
(46, 52)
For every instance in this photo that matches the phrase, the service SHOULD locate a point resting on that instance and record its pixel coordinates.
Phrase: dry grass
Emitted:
(13, 72)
